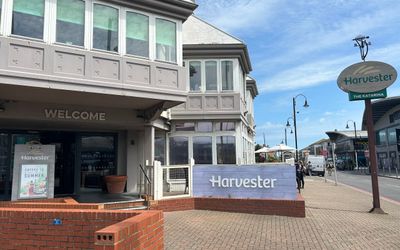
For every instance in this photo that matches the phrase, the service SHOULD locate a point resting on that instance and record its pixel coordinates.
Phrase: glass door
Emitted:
(97, 159)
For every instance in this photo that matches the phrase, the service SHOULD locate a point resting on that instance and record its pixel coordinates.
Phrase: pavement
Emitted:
(337, 217)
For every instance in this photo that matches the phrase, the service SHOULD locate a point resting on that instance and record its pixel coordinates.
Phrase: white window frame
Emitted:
(119, 28)
(2, 12)
(124, 33)
(178, 40)
(8, 27)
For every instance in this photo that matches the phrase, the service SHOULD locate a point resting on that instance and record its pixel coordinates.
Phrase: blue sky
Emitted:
(300, 47)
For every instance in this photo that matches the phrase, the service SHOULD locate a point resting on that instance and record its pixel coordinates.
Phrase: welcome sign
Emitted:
(246, 181)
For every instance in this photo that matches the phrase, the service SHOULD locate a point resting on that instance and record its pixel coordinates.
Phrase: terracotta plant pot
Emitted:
(115, 183)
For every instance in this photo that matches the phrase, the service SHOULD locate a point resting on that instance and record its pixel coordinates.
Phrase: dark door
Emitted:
(5, 177)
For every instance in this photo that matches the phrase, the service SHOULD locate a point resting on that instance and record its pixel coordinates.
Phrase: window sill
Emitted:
(27, 38)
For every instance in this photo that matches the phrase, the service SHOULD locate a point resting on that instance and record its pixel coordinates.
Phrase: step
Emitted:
(125, 205)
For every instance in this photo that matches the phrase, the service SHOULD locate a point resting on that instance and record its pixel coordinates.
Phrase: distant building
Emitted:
(386, 119)
(348, 146)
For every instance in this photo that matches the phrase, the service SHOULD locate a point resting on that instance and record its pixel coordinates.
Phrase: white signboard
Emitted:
(367, 77)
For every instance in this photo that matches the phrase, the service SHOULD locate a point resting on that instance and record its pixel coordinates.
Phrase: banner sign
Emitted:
(363, 96)
(33, 173)
(245, 181)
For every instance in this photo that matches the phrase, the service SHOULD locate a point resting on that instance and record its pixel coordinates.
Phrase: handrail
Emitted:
(144, 172)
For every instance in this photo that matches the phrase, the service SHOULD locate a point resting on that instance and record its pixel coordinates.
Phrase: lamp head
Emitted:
(291, 131)
(306, 104)
(287, 123)
(347, 126)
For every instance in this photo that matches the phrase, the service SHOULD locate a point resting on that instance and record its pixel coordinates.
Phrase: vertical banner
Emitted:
(33, 173)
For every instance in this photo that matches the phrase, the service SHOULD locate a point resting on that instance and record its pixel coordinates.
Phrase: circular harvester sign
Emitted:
(367, 77)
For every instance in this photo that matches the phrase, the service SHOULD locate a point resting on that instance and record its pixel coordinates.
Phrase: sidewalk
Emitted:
(336, 218)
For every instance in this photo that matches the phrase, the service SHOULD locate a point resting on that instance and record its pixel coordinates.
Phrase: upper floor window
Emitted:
(225, 126)
(1, 4)
(381, 137)
(137, 34)
(211, 75)
(70, 22)
(165, 40)
(184, 126)
(28, 18)
(227, 75)
(105, 28)
(195, 75)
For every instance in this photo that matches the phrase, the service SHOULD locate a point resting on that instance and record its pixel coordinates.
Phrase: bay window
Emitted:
(28, 18)
(202, 149)
(211, 75)
(227, 75)
(226, 150)
(105, 27)
(195, 75)
(178, 150)
(165, 40)
(70, 22)
(137, 34)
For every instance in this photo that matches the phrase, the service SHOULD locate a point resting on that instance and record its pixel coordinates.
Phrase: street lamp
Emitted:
(294, 121)
(354, 143)
(286, 127)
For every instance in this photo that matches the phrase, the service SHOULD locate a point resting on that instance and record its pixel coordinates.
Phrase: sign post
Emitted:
(366, 81)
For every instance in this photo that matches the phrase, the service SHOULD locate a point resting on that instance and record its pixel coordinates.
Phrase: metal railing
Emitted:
(172, 181)
(145, 185)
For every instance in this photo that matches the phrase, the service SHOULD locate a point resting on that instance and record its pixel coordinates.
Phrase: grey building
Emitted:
(98, 79)
(92, 78)
(386, 120)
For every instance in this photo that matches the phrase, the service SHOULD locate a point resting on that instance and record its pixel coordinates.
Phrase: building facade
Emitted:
(386, 120)
(98, 79)
(90, 77)
(216, 123)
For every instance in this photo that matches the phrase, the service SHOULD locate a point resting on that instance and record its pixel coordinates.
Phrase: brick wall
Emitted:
(292, 208)
(33, 228)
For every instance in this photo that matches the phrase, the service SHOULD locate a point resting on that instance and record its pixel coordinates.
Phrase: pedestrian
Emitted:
(299, 175)
(303, 173)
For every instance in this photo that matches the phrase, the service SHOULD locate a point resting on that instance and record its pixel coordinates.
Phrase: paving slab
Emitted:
(336, 218)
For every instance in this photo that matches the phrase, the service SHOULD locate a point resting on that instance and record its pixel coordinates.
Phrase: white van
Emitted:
(316, 164)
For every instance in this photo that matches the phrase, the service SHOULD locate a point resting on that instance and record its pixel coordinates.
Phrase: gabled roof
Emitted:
(202, 40)
(252, 86)
(197, 31)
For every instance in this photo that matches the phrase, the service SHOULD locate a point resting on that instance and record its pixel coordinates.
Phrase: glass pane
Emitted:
(211, 75)
(28, 18)
(184, 126)
(105, 28)
(70, 22)
(202, 149)
(381, 140)
(137, 34)
(159, 147)
(1, 4)
(98, 159)
(204, 127)
(195, 75)
(392, 138)
(178, 150)
(227, 75)
(165, 40)
(225, 126)
(226, 150)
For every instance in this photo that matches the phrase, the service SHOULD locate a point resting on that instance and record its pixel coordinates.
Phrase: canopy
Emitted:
(281, 147)
(262, 150)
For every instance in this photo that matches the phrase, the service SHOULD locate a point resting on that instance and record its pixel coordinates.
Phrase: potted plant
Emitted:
(115, 183)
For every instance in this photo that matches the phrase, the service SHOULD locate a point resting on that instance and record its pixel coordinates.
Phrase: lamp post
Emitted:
(354, 143)
(294, 121)
(286, 127)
